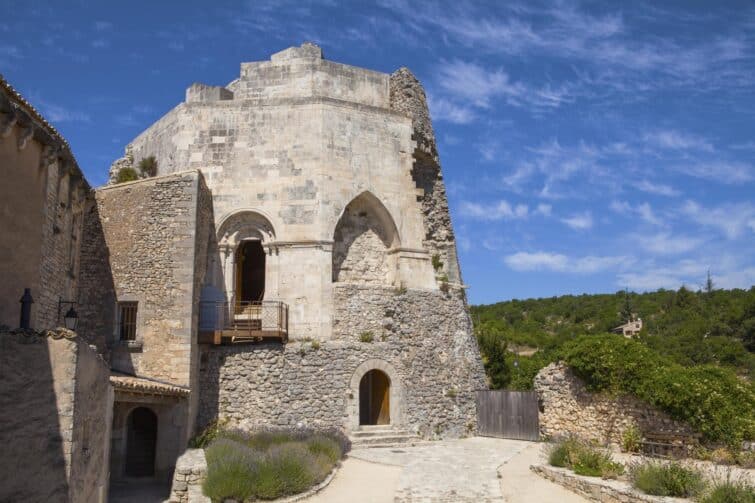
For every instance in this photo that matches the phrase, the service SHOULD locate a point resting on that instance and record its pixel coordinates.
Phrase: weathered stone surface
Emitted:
(421, 338)
(187, 488)
(55, 404)
(567, 408)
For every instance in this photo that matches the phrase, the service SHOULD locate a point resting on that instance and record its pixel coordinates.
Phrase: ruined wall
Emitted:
(567, 408)
(42, 197)
(150, 230)
(55, 402)
(421, 336)
(408, 97)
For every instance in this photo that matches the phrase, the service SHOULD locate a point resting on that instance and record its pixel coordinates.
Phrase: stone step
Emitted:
(377, 433)
(384, 440)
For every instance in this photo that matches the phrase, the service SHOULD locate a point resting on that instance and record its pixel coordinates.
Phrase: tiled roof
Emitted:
(142, 385)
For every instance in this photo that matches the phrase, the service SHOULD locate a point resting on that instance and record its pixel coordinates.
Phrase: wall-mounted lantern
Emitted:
(71, 318)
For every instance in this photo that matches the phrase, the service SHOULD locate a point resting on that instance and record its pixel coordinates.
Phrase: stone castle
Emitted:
(291, 264)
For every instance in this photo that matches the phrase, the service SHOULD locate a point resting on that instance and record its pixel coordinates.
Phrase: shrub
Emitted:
(711, 399)
(584, 459)
(269, 464)
(126, 174)
(630, 439)
(366, 337)
(729, 491)
(437, 262)
(670, 479)
(148, 166)
(210, 433)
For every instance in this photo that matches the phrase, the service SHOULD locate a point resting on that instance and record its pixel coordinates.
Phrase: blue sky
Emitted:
(587, 147)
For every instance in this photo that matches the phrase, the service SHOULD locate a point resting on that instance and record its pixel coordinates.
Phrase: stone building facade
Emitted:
(331, 174)
(291, 264)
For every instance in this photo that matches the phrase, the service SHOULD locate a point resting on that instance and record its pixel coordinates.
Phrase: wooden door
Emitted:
(508, 414)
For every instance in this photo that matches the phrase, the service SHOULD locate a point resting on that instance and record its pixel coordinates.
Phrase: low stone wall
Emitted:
(568, 408)
(55, 403)
(191, 470)
(420, 339)
(596, 489)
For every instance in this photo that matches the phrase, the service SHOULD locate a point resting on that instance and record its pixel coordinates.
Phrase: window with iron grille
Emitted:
(127, 321)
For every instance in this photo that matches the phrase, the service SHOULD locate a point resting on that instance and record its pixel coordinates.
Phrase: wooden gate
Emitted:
(508, 414)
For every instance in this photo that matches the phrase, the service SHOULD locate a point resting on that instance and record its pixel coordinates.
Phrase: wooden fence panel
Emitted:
(508, 414)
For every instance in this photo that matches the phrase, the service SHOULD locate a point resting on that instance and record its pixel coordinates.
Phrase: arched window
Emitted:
(363, 237)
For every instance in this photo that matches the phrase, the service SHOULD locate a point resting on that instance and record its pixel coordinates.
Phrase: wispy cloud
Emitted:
(501, 210)
(56, 113)
(643, 210)
(579, 221)
(443, 110)
(659, 189)
(727, 172)
(665, 243)
(556, 262)
(677, 140)
(732, 219)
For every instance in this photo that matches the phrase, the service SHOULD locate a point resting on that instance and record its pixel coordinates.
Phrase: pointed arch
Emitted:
(363, 238)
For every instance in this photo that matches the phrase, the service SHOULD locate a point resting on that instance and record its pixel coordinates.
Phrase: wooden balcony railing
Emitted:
(228, 322)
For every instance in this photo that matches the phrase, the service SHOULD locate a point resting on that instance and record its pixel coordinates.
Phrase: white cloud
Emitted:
(55, 113)
(544, 209)
(501, 210)
(656, 188)
(677, 140)
(479, 85)
(719, 171)
(643, 210)
(665, 243)
(732, 219)
(443, 110)
(579, 221)
(556, 262)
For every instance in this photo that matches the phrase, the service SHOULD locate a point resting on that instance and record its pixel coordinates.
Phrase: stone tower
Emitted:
(332, 295)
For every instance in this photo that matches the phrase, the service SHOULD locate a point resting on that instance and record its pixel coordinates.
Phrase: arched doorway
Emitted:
(141, 442)
(374, 398)
(250, 271)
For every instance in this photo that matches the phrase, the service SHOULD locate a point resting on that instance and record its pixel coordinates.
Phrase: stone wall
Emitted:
(191, 470)
(156, 254)
(567, 408)
(42, 197)
(55, 403)
(421, 339)
(359, 248)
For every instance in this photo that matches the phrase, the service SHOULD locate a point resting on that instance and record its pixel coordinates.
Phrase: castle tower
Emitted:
(332, 295)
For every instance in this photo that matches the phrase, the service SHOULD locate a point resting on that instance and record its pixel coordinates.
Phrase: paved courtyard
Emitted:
(470, 470)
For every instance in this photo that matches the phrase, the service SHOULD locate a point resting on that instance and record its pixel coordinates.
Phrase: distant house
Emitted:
(629, 329)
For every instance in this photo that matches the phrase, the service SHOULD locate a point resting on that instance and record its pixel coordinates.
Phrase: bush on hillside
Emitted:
(711, 399)
(126, 174)
(148, 166)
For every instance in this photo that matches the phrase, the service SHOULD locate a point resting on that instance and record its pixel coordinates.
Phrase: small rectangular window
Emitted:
(127, 321)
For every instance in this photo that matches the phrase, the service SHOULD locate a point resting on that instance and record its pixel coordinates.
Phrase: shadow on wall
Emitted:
(97, 300)
(33, 446)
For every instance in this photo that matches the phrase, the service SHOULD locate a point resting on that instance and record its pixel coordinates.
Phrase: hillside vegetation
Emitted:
(694, 357)
(713, 327)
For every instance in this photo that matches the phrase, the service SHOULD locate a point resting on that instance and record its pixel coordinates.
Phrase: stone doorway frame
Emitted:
(396, 393)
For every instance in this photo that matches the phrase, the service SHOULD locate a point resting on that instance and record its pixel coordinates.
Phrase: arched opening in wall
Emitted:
(141, 443)
(374, 398)
(250, 271)
(363, 237)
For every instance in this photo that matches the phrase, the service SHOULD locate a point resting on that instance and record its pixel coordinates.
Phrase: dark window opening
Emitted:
(250, 272)
(127, 321)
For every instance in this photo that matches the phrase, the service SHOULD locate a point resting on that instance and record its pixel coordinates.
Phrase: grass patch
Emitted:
(729, 491)
(269, 464)
(671, 479)
(584, 459)
(366, 337)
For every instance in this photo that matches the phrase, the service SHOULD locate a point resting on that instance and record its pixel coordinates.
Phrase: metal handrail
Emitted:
(251, 316)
